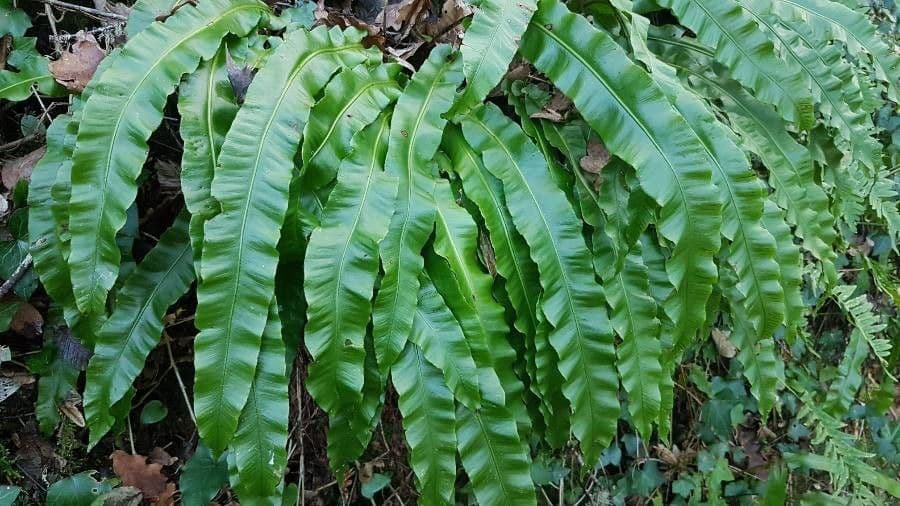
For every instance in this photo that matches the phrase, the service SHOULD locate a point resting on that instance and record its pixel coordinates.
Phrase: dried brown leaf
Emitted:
(452, 12)
(71, 407)
(596, 158)
(27, 321)
(20, 168)
(556, 110)
(725, 347)
(76, 67)
(161, 457)
(134, 471)
(168, 175)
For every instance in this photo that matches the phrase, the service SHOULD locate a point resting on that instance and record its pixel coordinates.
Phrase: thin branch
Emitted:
(187, 400)
(9, 146)
(95, 13)
(16, 275)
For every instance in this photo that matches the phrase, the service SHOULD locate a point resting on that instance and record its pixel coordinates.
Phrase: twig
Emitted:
(96, 32)
(130, 434)
(52, 19)
(9, 146)
(16, 275)
(187, 400)
(96, 13)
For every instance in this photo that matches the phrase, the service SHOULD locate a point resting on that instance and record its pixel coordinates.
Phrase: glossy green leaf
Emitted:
(259, 449)
(134, 328)
(251, 185)
(125, 108)
(416, 131)
(341, 267)
(429, 419)
(571, 301)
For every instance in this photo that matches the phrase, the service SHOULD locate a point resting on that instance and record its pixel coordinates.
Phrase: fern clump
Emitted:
(423, 234)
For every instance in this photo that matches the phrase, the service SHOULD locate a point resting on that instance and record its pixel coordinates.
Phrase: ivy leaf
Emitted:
(78, 490)
(202, 477)
(376, 483)
(153, 412)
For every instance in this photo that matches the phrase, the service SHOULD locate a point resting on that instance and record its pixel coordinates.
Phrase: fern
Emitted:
(132, 331)
(415, 136)
(341, 266)
(251, 185)
(581, 334)
(118, 119)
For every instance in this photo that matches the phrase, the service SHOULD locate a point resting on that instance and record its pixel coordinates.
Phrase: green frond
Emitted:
(207, 106)
(581, 334)
(883, 199)
(251, 185)
(259, 448)
(494, 457)
(635, 121)
(633, 316)
(352, 100)
(831, 20)
(144, 13)
(118, 118)
(750, 56)
(134, 328)
(489, 45)
(438, 334)
(416, 131)
(842, 391)
(790, 262)
(866, 321)
(340, 270)
(790, 167)
(466, 288)
(429, 421)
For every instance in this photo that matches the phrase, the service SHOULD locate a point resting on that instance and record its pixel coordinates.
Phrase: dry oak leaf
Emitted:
(136, 472)
(405, 14)
(76, 67)
(20, 168)
(596, 158)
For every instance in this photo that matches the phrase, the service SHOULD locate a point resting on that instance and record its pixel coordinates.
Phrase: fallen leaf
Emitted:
(20, 168)
(596, 158)
(726, 349)
(136, 472)
(239, 77)
(167, 498)
(556, 110)
(123, 496)
(27, 321)
(452, 12)
(71, 408)
(168, 175)
(76, 67)
(12, 383)
(161, 457)
(403, 16)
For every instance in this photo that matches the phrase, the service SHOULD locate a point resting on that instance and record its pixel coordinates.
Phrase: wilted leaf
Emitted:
(161, 457)
(20, 168)
(123, 496)
(136, 472)
(556, 110)
(596, 158)
(11, 384)
(403, 15)
(726, 349)
(168, 175)
(76, 67)
(27, 321)
(71, 407)
(452, 12)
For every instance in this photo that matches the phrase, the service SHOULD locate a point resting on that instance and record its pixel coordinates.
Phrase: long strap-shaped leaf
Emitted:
(118, 119)
(341, 267)
(49, 263)
(749, 55)
(207, 106)
(633, 315)
(134, 328)
(438, 334)
(489, 45)
(467, 292)
(352, 100)
(572, 301)
(751, 253)
(239, 250)
(429, 416)
(144, 12)
(790, 262)
(259, 450)
(416, 131)
(636, 122)
(790, 169)
(833, 20)
(494, 457)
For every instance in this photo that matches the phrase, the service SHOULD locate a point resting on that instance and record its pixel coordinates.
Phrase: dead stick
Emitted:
(16, 275)
(84, 10)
